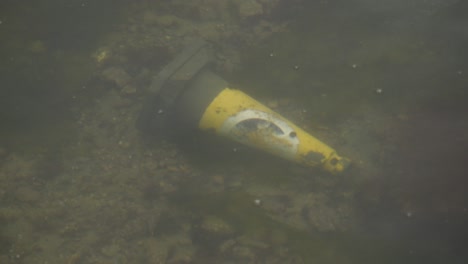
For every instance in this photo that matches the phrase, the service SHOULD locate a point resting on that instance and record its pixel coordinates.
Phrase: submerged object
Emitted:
(198, 98)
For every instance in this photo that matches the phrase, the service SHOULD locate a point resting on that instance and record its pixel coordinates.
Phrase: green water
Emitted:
(46, 63)
(385, 85)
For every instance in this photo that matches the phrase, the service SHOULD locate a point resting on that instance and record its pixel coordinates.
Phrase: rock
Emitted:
(102, 55)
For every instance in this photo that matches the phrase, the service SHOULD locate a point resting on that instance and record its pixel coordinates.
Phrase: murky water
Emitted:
(382, 82)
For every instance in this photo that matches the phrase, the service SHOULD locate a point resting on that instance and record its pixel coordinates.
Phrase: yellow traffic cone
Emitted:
(211, 106)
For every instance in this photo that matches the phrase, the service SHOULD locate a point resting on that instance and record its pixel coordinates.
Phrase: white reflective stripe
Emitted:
(243, 124)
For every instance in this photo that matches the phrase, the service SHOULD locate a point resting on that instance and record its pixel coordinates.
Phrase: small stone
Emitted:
(257, 202)
(102, 55)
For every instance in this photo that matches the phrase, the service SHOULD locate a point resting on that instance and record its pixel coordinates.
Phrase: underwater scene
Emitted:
(233, 131)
